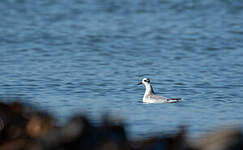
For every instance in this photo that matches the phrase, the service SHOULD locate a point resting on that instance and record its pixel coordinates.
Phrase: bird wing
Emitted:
(158, 98)
(161, 99)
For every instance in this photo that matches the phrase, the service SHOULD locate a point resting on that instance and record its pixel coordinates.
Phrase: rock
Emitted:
(223, 139)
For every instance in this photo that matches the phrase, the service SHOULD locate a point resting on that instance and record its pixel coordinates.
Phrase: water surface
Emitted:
(87, 56)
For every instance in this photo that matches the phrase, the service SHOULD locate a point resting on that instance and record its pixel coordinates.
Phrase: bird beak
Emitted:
(139, 83)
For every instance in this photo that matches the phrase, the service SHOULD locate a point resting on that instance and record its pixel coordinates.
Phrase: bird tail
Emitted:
(173, 100)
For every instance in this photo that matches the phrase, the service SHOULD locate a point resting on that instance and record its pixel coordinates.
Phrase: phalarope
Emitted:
(150, 97)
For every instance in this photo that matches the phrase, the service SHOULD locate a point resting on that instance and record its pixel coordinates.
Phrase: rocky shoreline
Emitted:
(23, 127)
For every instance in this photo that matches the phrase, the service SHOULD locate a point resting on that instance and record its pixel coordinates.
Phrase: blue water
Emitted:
(87, 56)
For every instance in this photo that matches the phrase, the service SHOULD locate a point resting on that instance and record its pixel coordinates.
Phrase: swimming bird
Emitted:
(150, 97)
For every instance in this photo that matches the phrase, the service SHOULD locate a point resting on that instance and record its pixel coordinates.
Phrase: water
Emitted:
(87, 56)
